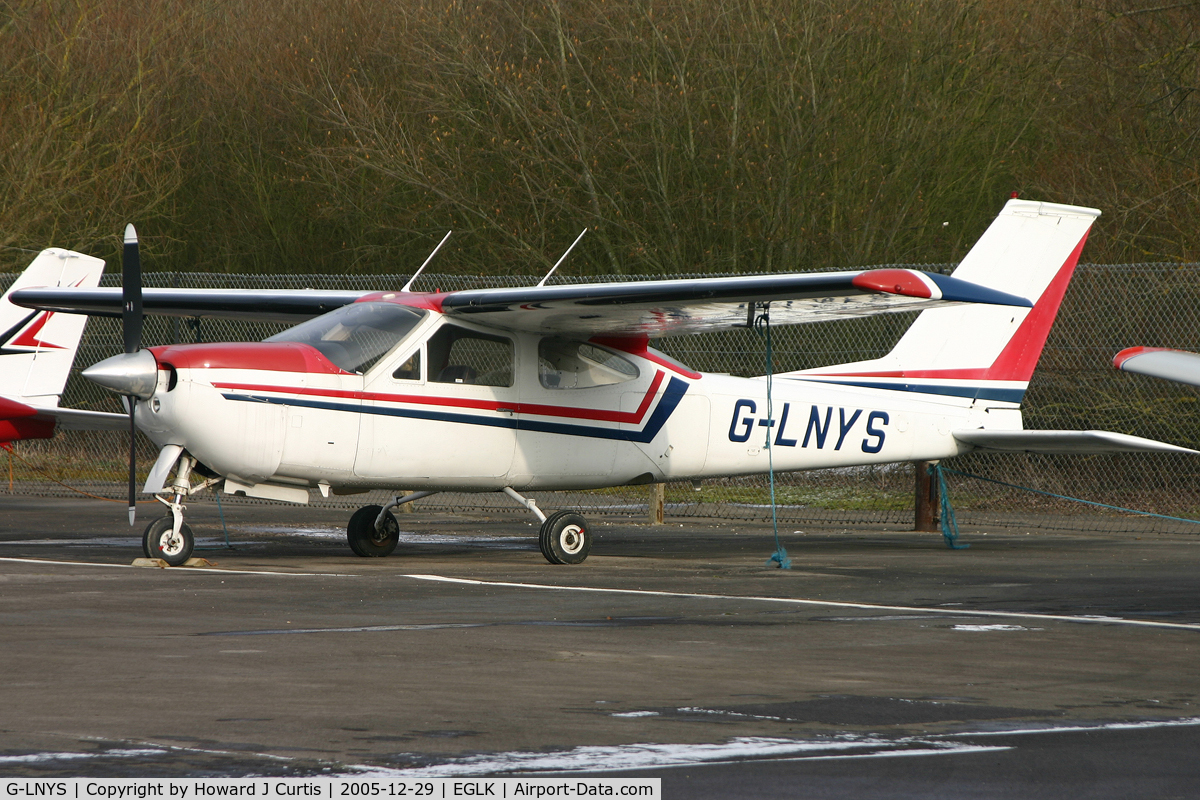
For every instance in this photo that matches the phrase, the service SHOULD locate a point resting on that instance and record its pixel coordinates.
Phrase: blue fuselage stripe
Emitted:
(1005, 395)
(675, 391)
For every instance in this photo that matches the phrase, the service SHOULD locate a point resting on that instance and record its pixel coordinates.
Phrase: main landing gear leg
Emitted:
(564, 537)
(373, 531)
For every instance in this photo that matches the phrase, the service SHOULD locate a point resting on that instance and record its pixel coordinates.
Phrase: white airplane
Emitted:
(557, 387)
(37, 349)
(1160, 362)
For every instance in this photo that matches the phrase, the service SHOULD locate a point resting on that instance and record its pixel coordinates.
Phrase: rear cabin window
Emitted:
(459, 355)
(564, 364)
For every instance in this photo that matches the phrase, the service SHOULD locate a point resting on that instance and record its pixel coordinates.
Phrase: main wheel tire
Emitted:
(564, 538)
(364, 540)
(160, 541)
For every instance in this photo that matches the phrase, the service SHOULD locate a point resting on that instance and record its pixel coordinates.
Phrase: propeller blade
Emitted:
(131, 331)
(131, 292)
(132, 462)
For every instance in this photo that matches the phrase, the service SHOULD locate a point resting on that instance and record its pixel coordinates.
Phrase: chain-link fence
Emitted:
(1107, 309)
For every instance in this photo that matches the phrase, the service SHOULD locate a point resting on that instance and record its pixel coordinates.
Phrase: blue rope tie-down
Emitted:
(1072, 499)
(949, 523)
(221, 511)
(762, 327)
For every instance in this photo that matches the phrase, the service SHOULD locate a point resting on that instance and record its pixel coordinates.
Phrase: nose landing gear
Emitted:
(169, 538)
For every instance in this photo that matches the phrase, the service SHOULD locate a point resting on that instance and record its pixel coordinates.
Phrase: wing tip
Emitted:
(1121, 358)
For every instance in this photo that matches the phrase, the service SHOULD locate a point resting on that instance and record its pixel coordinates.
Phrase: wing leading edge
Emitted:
(273, 305)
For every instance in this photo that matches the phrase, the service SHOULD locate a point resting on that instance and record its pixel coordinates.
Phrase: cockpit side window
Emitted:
(564, 364)
(354, 337)
(459, 355)
(410, 368)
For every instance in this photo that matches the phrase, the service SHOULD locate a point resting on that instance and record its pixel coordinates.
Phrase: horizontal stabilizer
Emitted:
(78, 419)
(1072, 442)
(1173, 365)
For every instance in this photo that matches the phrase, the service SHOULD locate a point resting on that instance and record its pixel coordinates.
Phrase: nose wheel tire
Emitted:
(565, 538)
(364, 540)
(160, 541)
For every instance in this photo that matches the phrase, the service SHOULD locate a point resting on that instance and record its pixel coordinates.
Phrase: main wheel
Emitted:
(564, 538)
(160, 541)
(365, 540)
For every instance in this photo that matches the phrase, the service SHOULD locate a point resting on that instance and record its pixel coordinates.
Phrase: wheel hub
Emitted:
(570, 539)
(170, 543)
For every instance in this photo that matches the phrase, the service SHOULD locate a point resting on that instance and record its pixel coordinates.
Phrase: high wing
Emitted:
(665, 308)
(1073, 442)
(657, 308)
(1173, 365)
(270, 305)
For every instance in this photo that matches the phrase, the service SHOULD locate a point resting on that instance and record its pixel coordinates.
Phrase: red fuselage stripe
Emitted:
(535, 409)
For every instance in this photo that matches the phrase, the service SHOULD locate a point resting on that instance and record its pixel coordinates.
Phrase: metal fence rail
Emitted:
(1106, 309)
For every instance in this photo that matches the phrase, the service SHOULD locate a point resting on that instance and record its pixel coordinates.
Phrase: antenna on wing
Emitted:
(542, 282)
(431, 255)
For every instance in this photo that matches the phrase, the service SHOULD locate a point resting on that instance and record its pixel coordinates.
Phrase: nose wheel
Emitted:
(564, 538)
(161, 541)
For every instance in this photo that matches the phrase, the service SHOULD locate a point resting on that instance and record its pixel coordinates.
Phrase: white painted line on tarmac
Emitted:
(179, 570)
(603, 758)
(955, 612)
(1183, 722)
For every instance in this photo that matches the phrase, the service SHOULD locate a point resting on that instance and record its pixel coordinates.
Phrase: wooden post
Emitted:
(658, 499)
(926, 497)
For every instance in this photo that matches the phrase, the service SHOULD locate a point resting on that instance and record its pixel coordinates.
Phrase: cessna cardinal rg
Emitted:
(557, 387)
(37, 349)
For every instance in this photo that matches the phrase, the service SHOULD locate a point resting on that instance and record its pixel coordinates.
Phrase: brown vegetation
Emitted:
(747, 135)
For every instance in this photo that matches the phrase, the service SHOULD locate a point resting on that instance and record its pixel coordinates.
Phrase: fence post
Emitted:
(658, 499)
(926, 498)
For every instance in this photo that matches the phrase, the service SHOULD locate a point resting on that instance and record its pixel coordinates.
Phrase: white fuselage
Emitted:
(266, 415)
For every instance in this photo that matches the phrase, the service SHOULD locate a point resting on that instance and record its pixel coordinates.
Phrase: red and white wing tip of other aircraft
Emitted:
(558, 387)
(1160, 362)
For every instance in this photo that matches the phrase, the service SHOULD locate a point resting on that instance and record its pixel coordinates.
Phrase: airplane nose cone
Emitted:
(129, 373)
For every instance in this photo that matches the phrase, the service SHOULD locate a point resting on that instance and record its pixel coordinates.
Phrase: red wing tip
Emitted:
(1129, 352)
(892, 281)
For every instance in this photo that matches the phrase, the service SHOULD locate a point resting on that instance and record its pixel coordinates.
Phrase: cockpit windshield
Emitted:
(354, 337)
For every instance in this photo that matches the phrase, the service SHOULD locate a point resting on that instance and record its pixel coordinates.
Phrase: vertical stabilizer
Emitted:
(986, 352)
(37, 348)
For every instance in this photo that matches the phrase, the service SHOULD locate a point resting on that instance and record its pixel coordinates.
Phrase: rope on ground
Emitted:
(762, 326)
(48, 477)
(1065, 497)
(220, 511)
(948, 522)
